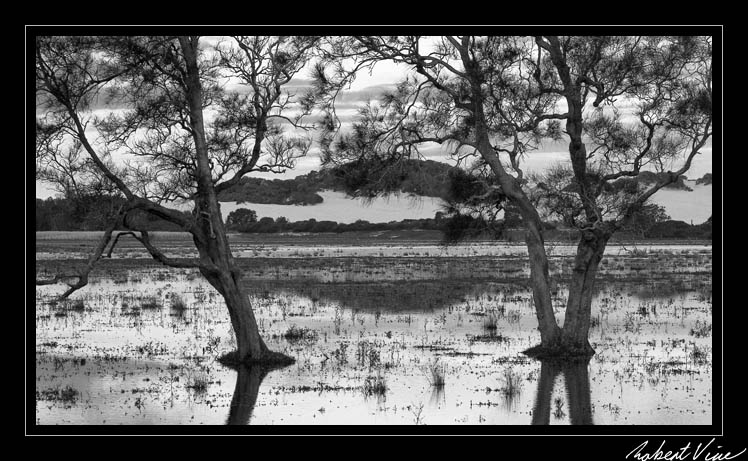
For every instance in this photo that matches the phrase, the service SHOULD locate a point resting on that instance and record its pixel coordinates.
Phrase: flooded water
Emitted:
(139, 346)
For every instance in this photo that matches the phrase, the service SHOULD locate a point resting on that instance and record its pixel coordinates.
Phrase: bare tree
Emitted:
(179, 133)
(640, 102)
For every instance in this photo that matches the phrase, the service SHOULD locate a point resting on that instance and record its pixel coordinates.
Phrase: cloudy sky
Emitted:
(369, 86)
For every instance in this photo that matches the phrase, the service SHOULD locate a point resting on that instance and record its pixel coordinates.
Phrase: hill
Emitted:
(425, 178)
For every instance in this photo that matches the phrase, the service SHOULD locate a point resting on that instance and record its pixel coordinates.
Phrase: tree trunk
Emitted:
(541, 290)
(250, 346)
(576, 327)
(550, 333)
(210, 235)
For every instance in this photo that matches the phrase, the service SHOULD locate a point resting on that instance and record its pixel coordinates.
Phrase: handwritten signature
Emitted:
(682, 453)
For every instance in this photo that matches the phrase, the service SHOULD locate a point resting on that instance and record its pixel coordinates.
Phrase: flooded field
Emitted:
(402, 333)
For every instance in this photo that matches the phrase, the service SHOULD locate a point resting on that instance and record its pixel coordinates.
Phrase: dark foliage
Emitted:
(461, 227)
(297, 191)
(241, 218)
(649, 177)
(91, 213)
(705, 180)
(672, 229)
(463, 186)
(371, 177)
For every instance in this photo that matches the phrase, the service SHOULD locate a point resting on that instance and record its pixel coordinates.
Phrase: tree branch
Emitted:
(95, 256)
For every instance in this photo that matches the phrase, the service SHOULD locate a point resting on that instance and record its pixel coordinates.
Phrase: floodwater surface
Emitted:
(139, 346)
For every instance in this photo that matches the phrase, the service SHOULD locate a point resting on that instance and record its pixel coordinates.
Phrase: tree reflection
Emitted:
(577, 380)
(248, 381)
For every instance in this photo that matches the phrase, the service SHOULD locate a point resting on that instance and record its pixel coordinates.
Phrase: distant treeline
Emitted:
(455, 228)
(90, 214)
(244, 220)
(672, 229)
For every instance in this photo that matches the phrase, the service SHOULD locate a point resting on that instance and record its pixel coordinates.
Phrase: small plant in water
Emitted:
(436, 373)
(490, 323)
(375, 385)
(513, 316)
(512, 386)
(417, 411)
(77, 305)
(700, 355)
(558, 413)
(701, 329)
(340, 354)
(199, 383)
(177, 303)
(295, 334)
(150, 303)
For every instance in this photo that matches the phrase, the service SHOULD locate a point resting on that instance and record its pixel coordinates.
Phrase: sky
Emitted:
(382, 78)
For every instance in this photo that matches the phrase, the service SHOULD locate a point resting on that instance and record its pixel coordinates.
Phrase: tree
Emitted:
(642, 220)
(163, 145)
(639, 102)
(241, 218)
(266, 225)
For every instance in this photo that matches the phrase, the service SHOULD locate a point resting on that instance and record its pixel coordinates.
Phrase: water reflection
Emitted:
(577, 380)
(437, 295)
(248, 381)
(389, 296)
(438, 397)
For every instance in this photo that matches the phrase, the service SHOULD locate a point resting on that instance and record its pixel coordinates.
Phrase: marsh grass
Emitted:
(65, 394)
